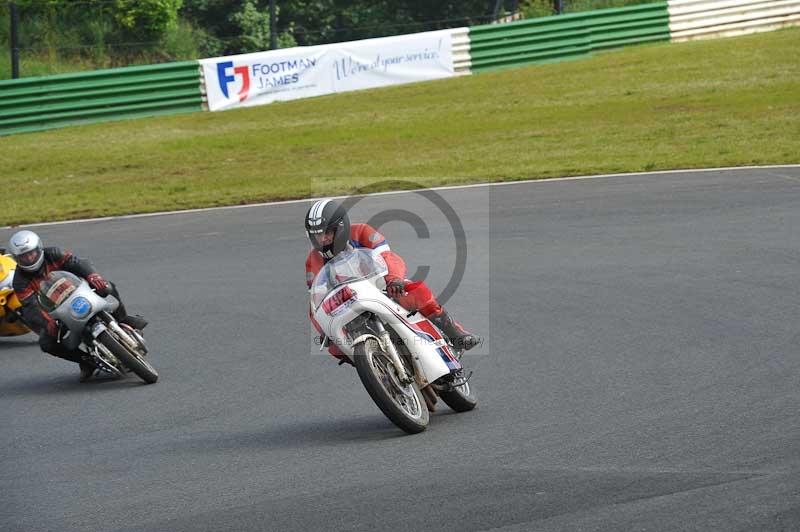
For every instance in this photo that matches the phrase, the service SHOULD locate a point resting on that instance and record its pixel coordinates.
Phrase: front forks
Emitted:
(133, 343)
(388, 348)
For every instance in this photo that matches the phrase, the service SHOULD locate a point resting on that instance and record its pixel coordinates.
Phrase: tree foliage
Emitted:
(235, 26)
(214, 27)
(310, 22)
(147, 19)
(143, 20)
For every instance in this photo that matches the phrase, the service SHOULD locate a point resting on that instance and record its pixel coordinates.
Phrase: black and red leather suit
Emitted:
(26, 286)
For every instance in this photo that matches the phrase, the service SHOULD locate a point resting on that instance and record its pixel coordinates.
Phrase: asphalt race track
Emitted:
(641, 372)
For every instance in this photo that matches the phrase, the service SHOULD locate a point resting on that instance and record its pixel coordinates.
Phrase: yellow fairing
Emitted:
(7, 265)
(9, 325)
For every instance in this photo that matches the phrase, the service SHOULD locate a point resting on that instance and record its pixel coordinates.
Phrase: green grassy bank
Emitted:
(725, 102)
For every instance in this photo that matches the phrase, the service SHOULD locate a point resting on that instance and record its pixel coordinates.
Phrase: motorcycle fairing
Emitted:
(427, 332)
(10, 325)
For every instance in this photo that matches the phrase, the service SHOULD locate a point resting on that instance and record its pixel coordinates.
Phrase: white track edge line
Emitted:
(450, 187)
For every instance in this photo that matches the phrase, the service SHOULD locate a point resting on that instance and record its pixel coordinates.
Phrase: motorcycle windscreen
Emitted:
(56, 288)
(347, 267)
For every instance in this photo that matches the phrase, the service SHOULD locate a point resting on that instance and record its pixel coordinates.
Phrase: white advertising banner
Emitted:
(391, 60)
(293, 73)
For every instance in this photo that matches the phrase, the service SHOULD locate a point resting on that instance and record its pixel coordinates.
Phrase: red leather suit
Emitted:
(418, 296)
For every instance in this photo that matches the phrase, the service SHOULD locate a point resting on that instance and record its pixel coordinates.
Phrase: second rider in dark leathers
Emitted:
(34, 263)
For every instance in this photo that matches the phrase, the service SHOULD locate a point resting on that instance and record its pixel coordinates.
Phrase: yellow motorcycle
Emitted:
(11, 323)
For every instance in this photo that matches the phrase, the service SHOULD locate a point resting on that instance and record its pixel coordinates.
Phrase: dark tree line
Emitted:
(210, 27)
(308, 22)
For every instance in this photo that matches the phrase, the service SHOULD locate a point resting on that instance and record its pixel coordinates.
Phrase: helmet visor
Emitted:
(324, 239)
(28, 258)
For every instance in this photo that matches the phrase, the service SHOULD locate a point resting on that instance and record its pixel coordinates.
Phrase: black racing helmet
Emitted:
(328, 227)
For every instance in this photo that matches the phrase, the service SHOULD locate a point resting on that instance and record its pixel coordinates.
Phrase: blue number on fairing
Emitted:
(80, 307)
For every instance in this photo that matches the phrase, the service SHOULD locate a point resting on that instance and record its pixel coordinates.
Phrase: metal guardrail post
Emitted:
(14, 40)
(496, 11)
(273, 33)
(558, 6)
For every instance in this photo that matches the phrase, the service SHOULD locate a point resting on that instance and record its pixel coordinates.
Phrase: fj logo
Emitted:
(225, 79)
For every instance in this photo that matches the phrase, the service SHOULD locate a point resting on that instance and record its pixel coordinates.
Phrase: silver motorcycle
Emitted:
(86, 319)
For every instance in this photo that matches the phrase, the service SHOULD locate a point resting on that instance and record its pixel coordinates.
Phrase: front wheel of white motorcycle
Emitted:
(402, 403)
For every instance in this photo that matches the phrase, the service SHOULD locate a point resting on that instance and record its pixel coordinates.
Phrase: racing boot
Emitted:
(137, 322)
(122, 316)
(458, 335)
(52, 346)
(88, 368)
(86, 363)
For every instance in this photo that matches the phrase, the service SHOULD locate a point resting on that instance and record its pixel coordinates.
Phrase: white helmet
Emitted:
(26, 247)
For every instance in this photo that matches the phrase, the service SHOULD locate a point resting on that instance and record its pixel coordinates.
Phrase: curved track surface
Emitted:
(641, 374)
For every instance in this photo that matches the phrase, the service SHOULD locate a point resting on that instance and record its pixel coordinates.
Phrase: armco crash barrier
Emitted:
(34, 104)
(561, 37)
(547, 39)
(705, 19)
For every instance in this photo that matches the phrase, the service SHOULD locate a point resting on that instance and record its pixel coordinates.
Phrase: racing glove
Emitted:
(99, 284)
(396, 287)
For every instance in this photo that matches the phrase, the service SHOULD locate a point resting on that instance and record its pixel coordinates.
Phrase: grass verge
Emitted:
(726, 102)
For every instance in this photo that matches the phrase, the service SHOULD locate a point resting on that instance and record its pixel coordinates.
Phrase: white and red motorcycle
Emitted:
(402, 359)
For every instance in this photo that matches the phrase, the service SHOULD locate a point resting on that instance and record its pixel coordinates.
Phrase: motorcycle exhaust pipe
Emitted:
(430, 398)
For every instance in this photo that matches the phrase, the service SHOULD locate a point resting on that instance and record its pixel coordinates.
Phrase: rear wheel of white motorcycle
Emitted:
(140, 367)
(460, 398)
(402, 404)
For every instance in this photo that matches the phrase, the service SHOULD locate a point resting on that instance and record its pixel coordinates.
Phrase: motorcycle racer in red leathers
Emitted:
(330, 232)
